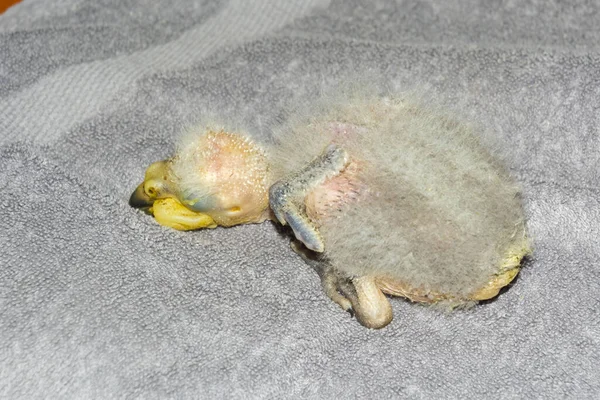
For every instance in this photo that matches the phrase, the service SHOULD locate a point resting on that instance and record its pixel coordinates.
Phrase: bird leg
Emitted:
(359, 296)
(333, 283)
(286, 196)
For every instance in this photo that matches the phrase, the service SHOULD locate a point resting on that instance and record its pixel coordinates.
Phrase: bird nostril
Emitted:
(150, 191)
(235, 209)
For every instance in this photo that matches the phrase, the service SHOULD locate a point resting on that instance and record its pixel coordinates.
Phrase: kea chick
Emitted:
(383, 195)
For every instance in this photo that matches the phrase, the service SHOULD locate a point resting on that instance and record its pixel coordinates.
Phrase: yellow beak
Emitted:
(170, 212)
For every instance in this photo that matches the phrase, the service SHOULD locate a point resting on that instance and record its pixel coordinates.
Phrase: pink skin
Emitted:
(341, 190)
(335, 194)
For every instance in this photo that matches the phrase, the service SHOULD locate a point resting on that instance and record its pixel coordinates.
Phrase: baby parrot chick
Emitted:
(382, 195)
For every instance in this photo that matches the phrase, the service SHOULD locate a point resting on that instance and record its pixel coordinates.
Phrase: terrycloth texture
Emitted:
(98, 301)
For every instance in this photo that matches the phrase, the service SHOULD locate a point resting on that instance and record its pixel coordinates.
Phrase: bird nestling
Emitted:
(384, 195)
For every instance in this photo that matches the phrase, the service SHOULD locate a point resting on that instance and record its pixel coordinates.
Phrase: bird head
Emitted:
(216, 178)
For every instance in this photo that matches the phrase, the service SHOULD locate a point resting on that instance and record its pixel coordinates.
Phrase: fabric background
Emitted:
(98, 301)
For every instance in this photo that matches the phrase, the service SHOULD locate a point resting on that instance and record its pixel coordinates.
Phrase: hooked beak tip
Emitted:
(139, 198)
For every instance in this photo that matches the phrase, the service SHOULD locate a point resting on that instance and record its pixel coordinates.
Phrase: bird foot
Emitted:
(359, 296)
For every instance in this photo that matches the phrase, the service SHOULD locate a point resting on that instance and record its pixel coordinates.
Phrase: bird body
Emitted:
(423, 203)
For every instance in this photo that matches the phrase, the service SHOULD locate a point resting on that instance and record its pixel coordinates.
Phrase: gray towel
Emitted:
(99, 301)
